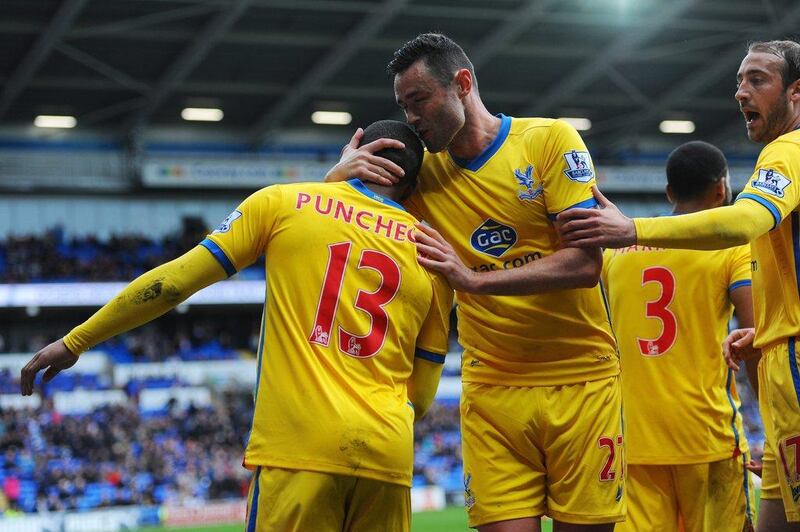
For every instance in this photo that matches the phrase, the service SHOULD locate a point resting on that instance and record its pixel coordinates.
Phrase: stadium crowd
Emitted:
(117, 455)
(55, 257)
(194, 338)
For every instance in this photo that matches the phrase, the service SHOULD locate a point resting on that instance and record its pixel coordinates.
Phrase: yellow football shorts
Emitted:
(543, 450)
(283, 500)
(714, 496)
(779, 402)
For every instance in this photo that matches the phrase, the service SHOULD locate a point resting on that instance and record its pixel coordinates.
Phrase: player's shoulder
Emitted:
(786, 144)
(533, 126)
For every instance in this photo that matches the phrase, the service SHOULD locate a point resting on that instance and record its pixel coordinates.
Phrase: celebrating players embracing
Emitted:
(541, 402)
(352, 342)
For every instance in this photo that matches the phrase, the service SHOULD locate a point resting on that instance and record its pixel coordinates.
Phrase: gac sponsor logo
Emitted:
(493, 238)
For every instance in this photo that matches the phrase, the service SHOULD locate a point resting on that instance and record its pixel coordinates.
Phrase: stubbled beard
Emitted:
(775, 118)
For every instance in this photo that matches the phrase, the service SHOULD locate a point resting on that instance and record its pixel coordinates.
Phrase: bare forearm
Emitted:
(563, 270)
(147, 297)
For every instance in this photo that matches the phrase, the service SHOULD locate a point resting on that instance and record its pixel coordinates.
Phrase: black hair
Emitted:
(408, 158)
(694, 167)
(787, 50)
(442, 55)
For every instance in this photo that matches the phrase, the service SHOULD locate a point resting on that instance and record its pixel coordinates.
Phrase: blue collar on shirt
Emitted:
(475, 164)
(359, 186)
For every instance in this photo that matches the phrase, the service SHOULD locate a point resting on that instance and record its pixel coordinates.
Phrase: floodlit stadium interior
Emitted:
(129, 129)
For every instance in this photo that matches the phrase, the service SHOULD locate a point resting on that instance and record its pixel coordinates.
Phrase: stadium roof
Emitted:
(130, 65)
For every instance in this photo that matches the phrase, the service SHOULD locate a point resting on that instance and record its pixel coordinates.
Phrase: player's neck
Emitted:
(393, 193)
(794, 125)
(479, 131)
(686, 207)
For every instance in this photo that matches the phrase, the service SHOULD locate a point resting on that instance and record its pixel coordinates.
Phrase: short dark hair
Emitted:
(408, 158)
(693, 167)
(787, 50)
(442, 55)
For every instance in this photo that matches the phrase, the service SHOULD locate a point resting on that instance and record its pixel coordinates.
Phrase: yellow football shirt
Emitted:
(497, 211)
(347, 309)
(670, 310)
(775, 184)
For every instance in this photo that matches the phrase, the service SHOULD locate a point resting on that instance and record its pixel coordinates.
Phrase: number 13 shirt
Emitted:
(670, 310)
(347, 308)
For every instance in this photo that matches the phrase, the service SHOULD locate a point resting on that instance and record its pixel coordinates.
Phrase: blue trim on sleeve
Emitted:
(475, 164)
(585, 204)
(361, 187)
(251, 523)
(738, 284)
(794, 369)
(429, 356)
(220, 255)
(776, 214)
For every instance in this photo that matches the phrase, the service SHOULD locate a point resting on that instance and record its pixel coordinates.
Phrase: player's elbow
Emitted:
(588, 275)
(420, 410)
(740, 236)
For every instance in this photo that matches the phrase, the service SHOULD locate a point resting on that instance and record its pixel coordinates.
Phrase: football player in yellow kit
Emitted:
(766, 214)
(541, 402)
(352, 343)
(686, 450)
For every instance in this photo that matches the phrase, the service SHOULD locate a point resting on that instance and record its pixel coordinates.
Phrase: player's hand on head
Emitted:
(53, 358)
(435, 253)
(604, 226)
(361, 162)
(738, 347)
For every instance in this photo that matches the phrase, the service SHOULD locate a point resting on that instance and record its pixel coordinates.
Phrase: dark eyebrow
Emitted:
(408, 96)
(752, 71)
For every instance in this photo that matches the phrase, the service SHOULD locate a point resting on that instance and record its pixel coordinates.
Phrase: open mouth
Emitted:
(750, 117)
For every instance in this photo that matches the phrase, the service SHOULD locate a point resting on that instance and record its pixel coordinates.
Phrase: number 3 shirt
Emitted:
(670, 310)
(347, 309)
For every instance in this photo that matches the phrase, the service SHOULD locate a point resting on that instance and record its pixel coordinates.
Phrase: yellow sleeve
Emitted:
(147, 297)
(433, 335)
(431, 348)
(243, 236)
(567, 171)
(775, 183)
(739, 268)
(720, 228)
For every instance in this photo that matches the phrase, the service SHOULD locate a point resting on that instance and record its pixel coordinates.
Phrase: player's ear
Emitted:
(794, 91)
(670, 196)
(721, 191)
(463, 82)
